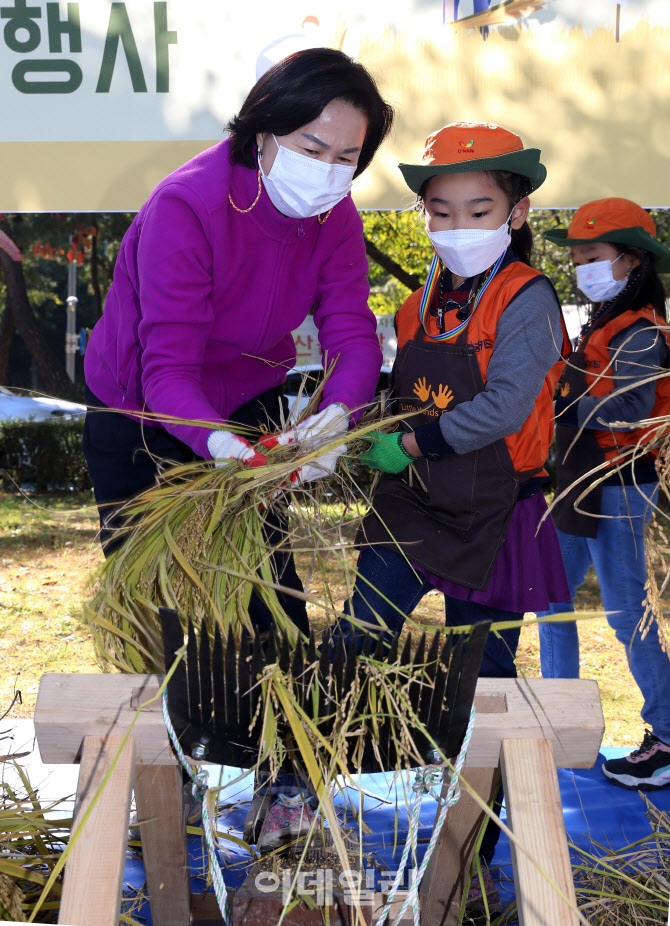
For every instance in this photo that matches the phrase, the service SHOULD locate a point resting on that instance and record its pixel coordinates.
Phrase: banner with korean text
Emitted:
(100, 99)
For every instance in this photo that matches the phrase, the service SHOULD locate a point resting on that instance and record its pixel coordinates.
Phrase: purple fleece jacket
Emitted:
(199, 316)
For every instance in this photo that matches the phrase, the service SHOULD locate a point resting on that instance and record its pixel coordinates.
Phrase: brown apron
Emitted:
(573, 460)
(452, 519)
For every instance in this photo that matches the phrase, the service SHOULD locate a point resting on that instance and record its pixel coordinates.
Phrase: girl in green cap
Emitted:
(618, 374)
(480, 351)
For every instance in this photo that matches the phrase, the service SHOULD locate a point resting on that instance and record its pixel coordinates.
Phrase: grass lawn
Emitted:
(48, 550)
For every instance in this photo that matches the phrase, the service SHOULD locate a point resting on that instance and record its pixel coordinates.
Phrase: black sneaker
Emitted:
(645, 769)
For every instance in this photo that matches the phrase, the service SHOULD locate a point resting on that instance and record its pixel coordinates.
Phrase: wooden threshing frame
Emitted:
(525, 729)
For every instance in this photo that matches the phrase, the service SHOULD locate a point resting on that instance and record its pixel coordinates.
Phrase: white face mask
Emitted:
(469, 251)
(300, 186)
(597, 281)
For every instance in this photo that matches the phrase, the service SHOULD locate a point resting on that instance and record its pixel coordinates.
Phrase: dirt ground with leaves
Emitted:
(49, 552)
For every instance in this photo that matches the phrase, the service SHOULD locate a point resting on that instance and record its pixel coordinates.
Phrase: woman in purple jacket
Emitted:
(224, 260)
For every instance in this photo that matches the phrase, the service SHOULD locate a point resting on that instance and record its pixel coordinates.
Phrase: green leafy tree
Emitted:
(401, 240)
(395, 240)
(33, 291)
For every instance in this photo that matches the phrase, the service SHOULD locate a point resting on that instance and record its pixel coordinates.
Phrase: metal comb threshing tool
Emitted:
(214, 694)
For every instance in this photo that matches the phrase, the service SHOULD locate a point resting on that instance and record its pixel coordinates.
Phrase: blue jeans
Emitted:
(617, 555)
(387, 588)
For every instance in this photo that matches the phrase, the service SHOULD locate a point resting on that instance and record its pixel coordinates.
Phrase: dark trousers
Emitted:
(388, 587)
(123, 458)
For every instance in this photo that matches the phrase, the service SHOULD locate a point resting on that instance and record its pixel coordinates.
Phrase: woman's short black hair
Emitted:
(297, 89)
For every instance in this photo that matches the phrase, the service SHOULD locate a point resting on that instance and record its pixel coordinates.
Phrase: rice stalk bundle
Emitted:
(30, 844)
(11, 900)
(655, 551)
(195, 542)
(33, 836)
(623, 887)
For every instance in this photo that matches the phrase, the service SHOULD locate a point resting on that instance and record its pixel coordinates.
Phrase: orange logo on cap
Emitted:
(590, 221)
(466, 147)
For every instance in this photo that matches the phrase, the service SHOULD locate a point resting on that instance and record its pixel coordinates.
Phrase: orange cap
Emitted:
(609, 215)
(470, 146)
(467, 141)
(615, 221)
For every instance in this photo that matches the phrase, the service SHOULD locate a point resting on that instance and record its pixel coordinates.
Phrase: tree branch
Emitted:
(50, 367)
(387, 263)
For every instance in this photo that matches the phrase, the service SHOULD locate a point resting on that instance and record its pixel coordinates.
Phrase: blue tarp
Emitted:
(595, 811)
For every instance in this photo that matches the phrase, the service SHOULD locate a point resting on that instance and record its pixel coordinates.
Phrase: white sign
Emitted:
(308, 350)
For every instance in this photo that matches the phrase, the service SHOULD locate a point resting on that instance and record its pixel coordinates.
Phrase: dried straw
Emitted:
(194, 542)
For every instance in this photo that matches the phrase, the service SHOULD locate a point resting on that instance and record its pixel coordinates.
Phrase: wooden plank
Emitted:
(443, 883)
(70, 707)
(396, 907)
(159, 799)
(263, 896)
(94, 870)
(535, 816)
(547, 708)
(205, 910)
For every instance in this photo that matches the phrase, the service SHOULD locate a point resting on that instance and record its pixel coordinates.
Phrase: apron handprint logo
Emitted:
(444, 397)
(564, 389)
(441, 399)
(421, 391)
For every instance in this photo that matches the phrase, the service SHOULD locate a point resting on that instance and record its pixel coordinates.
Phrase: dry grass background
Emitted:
(48, 549)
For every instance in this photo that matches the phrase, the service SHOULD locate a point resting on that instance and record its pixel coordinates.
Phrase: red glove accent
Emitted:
(258, 459)
(272, 440)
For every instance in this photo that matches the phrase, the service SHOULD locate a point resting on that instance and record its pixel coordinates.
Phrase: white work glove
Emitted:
(223, 445)
(324, 465)
(324, 427)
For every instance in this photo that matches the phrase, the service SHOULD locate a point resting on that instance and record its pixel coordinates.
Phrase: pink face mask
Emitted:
(597, 281)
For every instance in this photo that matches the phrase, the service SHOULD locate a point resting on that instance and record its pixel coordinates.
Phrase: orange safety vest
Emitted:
(529, 447)
(598, 367)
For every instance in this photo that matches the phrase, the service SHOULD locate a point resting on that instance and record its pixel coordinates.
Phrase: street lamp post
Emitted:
(71, 338)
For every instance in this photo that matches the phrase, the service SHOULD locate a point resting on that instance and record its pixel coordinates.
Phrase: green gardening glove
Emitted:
(386, 452)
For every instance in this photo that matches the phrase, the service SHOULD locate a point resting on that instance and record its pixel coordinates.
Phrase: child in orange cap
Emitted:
(480, 350)
(613, 378)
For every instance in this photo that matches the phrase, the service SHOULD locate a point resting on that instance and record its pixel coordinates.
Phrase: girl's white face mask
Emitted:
(469, 251)
(597, 281)
(300, 186)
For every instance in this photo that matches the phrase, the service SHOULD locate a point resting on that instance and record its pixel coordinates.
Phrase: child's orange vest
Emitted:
(599, 368)
(529, 447)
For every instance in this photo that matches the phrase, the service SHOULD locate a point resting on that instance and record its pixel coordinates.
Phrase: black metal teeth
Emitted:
(214, 695)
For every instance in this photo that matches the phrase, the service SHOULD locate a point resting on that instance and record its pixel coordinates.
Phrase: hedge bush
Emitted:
(46, 455)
